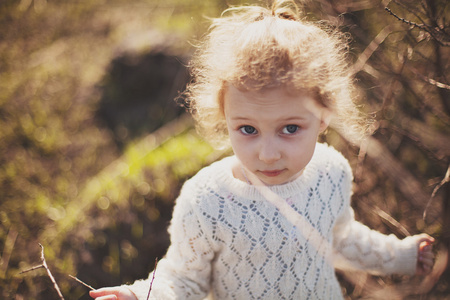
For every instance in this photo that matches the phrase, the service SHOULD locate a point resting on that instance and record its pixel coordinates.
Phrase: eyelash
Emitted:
(296, 128)
(243, 129)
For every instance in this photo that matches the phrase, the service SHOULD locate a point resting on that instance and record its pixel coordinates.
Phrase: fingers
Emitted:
(105, 293)
(108, 297)
(425, 260)
(423, 237)
(112, 293)
(424, 269)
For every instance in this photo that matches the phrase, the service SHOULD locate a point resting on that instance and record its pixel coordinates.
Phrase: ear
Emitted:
(326, 119)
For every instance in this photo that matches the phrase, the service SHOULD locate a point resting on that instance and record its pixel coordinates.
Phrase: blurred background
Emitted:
(93, 149)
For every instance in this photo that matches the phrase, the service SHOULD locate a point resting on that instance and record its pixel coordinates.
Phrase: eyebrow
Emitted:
(286, 120)
(238, 118)
(294, 119)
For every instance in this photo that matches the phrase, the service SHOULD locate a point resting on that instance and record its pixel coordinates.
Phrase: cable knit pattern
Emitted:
(231, 240)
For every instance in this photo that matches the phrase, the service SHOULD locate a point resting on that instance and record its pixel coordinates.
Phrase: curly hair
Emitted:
(255, 48)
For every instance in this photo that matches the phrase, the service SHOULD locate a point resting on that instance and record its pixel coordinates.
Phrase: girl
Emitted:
(274, 220)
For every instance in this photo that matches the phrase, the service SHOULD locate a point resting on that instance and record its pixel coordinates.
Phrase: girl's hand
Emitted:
(113, 293)
(425, 258)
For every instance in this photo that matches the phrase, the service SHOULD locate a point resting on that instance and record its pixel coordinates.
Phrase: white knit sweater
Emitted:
(232, 240)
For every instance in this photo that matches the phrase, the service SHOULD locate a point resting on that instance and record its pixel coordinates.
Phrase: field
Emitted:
(94, 150)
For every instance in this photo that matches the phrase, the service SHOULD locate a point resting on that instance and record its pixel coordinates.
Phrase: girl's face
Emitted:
(273, 133)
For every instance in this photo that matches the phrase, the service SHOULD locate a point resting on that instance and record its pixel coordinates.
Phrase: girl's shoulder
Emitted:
(204, 190)
(218, 170)
(323, 150)
(326, 157)
(211, 177)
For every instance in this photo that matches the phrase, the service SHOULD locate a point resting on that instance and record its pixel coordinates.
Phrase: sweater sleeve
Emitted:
(358, 247)
(184, 273)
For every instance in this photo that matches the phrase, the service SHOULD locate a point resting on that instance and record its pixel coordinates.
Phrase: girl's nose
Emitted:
(269, 151)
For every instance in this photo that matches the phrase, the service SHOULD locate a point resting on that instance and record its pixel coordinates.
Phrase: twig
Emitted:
(44, 263)
(371, 48)
(153, 278)
(437, 34)
(83, 283)
(387, 218)
(7, 251)
(421, 26)
(436, 189)
(430, 80)
(45, 266)
(393, 222)
(32, 269)
(437, 83)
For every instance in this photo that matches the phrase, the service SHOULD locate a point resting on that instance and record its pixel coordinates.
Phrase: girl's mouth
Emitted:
(271, 173)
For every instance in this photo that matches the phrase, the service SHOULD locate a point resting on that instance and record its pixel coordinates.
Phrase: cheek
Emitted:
(237, 143)
(241, 147)
(301, 149)
(305, 152)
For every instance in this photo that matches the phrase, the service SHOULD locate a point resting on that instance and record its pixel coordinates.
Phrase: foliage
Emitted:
(55, 57)
(81, 172)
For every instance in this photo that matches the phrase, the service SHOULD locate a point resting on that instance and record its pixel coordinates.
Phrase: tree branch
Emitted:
(153, 278)
(407, 184)
(44, 263)
(436, 189)
(83, 283)
(437, 34)
(32, 269)
(371, 48)
(45, 266)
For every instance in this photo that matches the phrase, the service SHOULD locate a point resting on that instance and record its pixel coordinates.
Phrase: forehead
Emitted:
(268, 103)
(266, 97)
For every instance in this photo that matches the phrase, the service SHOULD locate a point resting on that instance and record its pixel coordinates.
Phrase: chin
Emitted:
(274, 181)
(280, 180)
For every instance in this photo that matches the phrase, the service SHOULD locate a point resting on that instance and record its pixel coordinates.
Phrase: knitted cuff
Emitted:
(407, 256)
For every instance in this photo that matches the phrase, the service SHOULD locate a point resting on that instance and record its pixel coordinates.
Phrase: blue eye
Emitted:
(290, 129)
(248, 130)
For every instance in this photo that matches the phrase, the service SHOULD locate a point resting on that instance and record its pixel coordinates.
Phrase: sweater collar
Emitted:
(226, 180)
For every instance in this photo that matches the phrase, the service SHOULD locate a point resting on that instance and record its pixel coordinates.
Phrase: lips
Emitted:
(271, 173)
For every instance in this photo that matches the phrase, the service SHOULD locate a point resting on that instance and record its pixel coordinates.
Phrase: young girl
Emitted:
(274, 220)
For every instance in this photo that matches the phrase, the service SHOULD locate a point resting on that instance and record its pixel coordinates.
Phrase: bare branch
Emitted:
(421, 26)
(436, 83)
(437, 34)
(44, 263)
(153, 278)
(425, 137)
(32, 269)
(393, 224)
(429, 80)
(7, 250)
(444, 181)
(371, 48)
(414, 10)
(407, 184)
(436, 189)
(83, 283)
(45, 266)
(391, 221)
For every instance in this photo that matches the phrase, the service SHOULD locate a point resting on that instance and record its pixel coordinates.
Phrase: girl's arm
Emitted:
(370, 250)
(358, 247)
(184, 273)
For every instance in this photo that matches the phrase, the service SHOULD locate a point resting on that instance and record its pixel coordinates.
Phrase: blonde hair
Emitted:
(255, 48)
